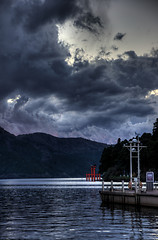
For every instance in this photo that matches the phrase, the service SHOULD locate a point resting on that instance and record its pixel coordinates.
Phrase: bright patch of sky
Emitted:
(137, 21)
(13, 101)
(152, 93)
(79, 39)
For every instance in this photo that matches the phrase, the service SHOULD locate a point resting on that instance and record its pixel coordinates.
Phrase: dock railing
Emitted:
(122, 186)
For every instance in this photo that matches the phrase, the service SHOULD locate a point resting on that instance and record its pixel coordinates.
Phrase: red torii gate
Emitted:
(93, 176)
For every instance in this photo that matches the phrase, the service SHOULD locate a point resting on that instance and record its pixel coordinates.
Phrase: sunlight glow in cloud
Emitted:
(13, 100)
(152, 93)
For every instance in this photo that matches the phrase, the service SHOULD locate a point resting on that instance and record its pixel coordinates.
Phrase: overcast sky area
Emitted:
(79, 68)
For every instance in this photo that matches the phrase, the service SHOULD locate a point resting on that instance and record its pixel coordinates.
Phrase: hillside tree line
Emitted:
(115, 159)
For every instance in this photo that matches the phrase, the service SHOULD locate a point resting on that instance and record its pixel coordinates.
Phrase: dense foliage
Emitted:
(115, 159)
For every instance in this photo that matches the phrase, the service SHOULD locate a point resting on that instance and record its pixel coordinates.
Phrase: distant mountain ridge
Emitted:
(43, 155)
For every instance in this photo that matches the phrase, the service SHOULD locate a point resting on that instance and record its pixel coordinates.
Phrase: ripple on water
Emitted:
(70, 213)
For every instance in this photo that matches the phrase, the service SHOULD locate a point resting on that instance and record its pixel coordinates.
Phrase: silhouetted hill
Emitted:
(43, 155)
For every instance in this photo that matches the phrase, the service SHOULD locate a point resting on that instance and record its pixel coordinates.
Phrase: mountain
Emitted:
(43, 155)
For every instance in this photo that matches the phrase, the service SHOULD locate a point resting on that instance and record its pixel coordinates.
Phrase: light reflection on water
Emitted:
(51, 183)
(45, 212)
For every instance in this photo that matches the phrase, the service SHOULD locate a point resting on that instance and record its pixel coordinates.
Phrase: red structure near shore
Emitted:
(93, 176)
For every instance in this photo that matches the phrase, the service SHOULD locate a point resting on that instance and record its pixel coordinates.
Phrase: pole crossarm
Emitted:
(135, 146)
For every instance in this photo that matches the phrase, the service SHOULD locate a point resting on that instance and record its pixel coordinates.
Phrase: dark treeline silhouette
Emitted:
(115, 159)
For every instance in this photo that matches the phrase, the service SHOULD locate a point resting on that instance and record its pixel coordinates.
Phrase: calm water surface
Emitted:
(51, 211)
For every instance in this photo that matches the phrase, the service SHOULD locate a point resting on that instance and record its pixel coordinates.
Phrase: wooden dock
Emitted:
(129, 197)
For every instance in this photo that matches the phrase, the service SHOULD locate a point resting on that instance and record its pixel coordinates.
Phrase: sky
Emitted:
(79, 68)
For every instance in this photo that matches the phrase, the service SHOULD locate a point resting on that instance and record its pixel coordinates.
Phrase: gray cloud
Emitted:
(38, 13)
(119, 36)
(130, 54)
(88, 22)
(113, 47)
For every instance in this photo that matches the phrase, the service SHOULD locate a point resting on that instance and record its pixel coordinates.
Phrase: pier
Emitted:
(122, 195)
(133, 193)
(149, 199)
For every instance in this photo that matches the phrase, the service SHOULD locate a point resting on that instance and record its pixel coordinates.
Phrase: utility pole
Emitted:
(138, 151)
(134, 147)
(130, 161)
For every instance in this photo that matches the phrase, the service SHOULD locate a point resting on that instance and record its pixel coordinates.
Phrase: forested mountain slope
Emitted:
(43, 155)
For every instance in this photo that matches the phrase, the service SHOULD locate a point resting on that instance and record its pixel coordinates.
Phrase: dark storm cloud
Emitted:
(26, 59)
(134, 108)
(5, 3)
(34, 57)
(93, 88)
(79, 62)
(56, 97)
(138, 71)
(39, 13)
(130, 54)
(88, 22)
(103, 53)
(20, 102)
(119, 36)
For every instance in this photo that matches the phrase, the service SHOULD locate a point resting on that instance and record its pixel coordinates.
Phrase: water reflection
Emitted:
(49, 213)
(139, 222)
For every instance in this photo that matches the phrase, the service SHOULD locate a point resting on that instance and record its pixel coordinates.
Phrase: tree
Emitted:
(115, 158)
(155, 129)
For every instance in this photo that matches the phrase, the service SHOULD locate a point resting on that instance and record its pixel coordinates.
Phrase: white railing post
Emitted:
(135, 186)
(123, 186)
(103, 185)
(112, 186)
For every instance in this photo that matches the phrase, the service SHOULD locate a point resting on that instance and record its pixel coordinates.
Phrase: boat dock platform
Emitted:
(138, 197)
(149, 198)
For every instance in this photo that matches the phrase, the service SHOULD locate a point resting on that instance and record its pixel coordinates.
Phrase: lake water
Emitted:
(44, 209)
